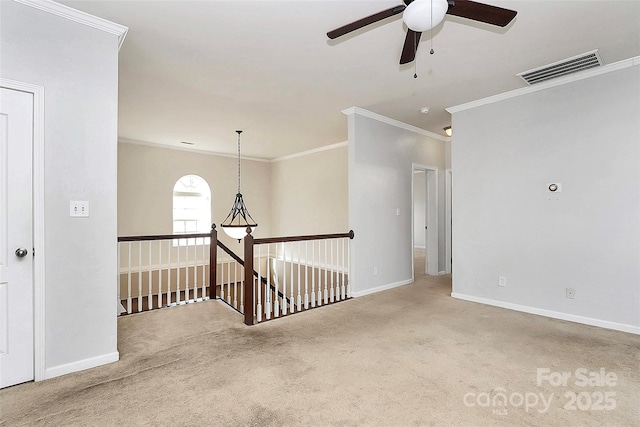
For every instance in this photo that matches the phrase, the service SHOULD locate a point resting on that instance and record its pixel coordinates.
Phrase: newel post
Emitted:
(213, 264)
(249, 317)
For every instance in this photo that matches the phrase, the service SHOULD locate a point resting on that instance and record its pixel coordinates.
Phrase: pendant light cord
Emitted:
(239, 132)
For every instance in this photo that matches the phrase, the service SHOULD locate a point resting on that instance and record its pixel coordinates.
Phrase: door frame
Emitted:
(38, 222)
(431, 206)
(448, 178)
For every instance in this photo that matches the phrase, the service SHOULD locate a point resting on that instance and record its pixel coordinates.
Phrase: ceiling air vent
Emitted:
(562, 68)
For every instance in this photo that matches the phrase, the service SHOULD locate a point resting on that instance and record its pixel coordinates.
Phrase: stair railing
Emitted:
(303, 272)
(286, 274)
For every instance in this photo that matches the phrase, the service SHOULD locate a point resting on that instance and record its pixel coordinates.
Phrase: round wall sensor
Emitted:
(553, 187)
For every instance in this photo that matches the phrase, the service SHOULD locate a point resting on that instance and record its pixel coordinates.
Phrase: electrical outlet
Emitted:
(79, 208)
(375, 271)
(502, 281)
(571, 293)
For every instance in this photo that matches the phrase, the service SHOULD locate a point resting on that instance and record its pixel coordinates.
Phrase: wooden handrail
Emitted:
(162, 237)
(264, 241)
(230, 253)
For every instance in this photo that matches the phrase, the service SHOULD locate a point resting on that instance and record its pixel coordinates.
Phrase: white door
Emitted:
(16, 238)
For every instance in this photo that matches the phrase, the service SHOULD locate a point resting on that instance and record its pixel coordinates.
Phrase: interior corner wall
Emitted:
(381, 158)
(585, 136)
(310, 194)
(78, 67)
(147, 175)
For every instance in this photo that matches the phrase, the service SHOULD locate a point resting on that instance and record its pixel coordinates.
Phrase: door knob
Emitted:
(21, 252)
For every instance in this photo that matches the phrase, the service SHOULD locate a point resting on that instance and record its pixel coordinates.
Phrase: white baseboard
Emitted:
(380, 288)
(81, 365)
(553, 314)
(442, 273)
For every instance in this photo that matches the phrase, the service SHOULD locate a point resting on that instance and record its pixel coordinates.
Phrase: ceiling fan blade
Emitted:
(365, 21)
(482, 12)
(410, 46)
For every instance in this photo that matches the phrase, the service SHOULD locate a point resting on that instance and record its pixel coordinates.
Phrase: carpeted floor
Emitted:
(411, 356)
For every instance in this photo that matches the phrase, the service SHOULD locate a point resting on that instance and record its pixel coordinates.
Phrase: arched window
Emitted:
(191, 207)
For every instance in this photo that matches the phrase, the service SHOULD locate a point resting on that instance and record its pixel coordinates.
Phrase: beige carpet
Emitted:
(412, 356)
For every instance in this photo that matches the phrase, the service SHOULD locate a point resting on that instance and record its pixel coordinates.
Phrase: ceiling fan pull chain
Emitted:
(431, 30)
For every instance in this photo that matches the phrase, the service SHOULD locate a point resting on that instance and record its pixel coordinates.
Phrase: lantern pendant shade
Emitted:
(239, 221)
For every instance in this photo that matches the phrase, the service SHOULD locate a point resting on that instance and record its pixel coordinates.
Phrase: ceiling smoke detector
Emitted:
(562, 68)
(424, 110)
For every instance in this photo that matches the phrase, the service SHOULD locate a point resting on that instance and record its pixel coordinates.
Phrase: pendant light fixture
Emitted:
(239, 222)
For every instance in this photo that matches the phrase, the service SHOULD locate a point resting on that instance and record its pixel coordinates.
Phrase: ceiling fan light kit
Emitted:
(422, 15)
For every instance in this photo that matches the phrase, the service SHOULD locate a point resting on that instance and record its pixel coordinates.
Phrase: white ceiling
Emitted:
(198, 70)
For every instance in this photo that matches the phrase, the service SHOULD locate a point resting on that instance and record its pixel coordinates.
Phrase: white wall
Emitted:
(381, 155)
(78, 67)
(310, 193)
(585, 135)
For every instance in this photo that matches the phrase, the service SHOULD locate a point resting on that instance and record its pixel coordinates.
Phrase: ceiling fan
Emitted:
(422, 15)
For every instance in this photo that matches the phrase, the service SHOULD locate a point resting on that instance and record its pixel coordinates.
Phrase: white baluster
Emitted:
(150, 297)
(313, 273)
(178, 274)
(139, 275)
(129, 302)
(299, 295)
(292, 297)
(331, 293)
(267, 291)
(242, 279)
(169, 272)
(235, 284)
(326, 267)
(284, 280)
(204, 271)
(344, 265)
(229, 282)
(259, 288)
(306, 274)
(186, 269)
(160, 273)
(348, 268)
(274, 269)
(195, 269)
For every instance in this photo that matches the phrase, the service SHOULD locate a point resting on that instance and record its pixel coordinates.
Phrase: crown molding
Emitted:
(190, 150)
(393, 122)
(309, 152)
(71, 14)
(548, 84)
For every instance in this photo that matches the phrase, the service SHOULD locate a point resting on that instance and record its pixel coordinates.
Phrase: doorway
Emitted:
(425, 216)
(21, 232)
(447, 221)
(16, 243)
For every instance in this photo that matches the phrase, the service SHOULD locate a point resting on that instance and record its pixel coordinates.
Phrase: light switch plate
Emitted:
(79, 208)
